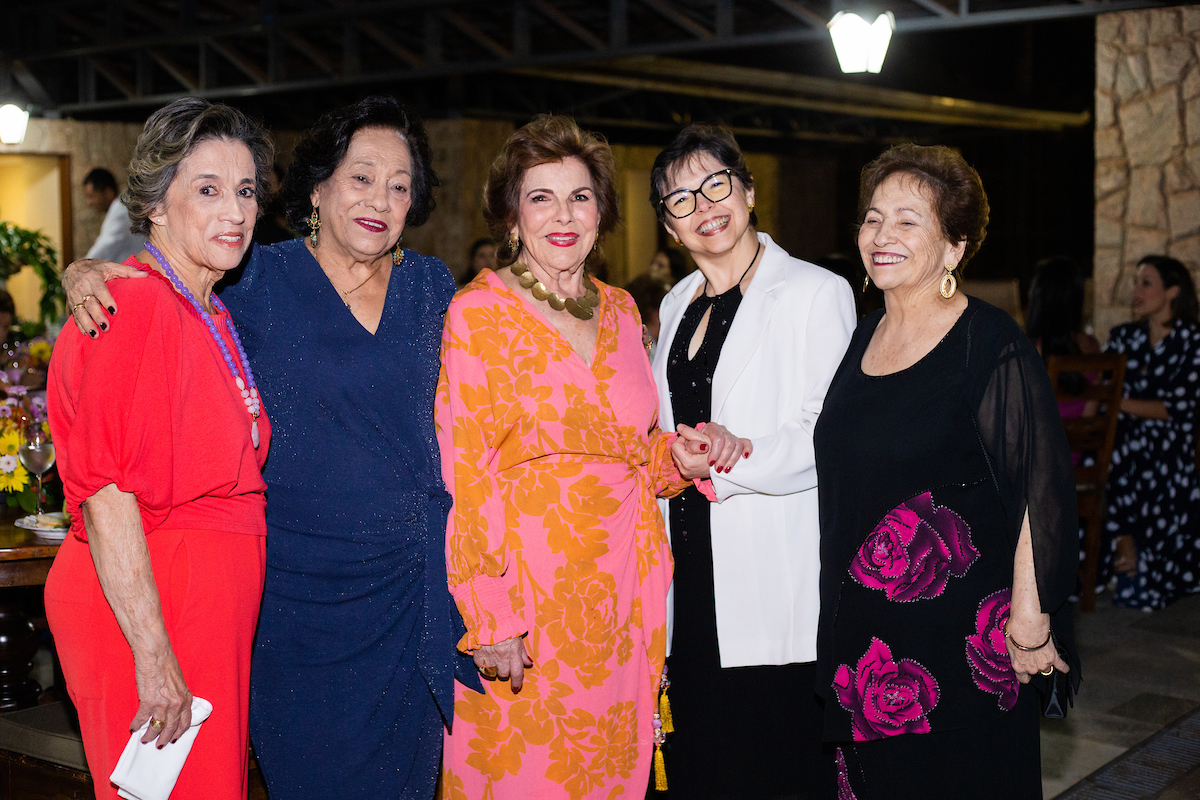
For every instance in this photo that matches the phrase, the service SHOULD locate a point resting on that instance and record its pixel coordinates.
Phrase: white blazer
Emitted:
(786, 342)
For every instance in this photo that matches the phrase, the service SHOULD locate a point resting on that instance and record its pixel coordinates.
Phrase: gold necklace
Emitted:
(578, 307)
(396, 261)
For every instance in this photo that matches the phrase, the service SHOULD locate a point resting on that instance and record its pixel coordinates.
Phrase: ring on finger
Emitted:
(1048, 671)
(157, 724)
(488, 672)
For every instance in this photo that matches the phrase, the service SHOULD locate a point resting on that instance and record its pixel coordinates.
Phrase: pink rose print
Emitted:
(987, 654)
(886, 697)
(914, 550)
(844, 790)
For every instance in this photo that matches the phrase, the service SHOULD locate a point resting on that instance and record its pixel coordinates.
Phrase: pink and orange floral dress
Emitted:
(554, 465)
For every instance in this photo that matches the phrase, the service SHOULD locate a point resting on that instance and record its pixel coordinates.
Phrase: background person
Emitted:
(555, 550)
(155, 593)
(1153, 496)
(668, 267)
(750, 340)
(948, 521)
(481, 256)
(116, 241)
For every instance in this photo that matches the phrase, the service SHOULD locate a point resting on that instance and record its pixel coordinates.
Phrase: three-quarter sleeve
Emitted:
(477, 547)
(665, 480)
(1022, 433)
(120, 393)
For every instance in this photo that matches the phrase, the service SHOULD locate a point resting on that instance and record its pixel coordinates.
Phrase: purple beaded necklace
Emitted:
(249, 394)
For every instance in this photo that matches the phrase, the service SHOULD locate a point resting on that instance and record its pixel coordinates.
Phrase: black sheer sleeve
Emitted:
(1022, 433)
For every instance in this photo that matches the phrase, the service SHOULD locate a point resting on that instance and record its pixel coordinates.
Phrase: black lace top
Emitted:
(925, 477)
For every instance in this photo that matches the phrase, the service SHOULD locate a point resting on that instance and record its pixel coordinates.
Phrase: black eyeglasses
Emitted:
(715, 188)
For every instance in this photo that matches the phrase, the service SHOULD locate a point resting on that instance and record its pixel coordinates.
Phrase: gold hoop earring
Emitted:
(866, 282)
(949, 282)
(314, 225)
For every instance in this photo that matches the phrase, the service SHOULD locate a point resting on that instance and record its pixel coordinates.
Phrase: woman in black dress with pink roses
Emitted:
(948, 515)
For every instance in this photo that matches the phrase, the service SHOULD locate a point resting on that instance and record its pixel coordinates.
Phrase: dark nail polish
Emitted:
(112, 310)
(92, 334)
(103, 326)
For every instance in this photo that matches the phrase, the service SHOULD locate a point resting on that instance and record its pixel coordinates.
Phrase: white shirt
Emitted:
(115, 242)
(784, 346)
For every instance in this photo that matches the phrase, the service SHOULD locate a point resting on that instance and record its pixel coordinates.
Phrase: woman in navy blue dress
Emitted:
(352, 679)
(1153, 497)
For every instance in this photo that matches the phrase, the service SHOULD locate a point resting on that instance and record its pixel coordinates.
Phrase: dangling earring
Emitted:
(398, 253)
(949, 282)
(514, 244)
(314, 224)
(866, 282)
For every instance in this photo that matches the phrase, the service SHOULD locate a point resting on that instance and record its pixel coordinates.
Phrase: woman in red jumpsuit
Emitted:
(161, 439)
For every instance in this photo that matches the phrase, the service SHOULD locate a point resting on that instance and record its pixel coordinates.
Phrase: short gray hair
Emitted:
(170, 135)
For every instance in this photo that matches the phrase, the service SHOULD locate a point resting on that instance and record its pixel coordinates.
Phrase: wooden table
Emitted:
(25, 560)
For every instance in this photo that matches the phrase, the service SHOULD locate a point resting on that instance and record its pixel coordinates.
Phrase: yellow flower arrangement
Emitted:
(13, 476)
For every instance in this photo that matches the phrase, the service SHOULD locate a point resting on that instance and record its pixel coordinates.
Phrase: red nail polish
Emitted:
(703, 447)
(745, 455)
(712, 463)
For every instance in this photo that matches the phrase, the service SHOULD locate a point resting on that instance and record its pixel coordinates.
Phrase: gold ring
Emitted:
(1048, 671)
(488, 672)
(157, 724)
(78, 306)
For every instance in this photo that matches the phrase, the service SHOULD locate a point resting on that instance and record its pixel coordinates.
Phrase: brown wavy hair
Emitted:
(957, 192)
(547, 139)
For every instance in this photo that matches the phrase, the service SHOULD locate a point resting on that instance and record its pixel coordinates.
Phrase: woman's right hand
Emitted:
(506, 661)
(162, 695)
(88, 297)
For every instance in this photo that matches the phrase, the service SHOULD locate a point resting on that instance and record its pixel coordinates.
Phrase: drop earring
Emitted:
(314, 224)
(949, 282)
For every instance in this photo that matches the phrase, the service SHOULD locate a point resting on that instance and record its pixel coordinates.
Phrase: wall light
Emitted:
(13, 121)
(861, 47)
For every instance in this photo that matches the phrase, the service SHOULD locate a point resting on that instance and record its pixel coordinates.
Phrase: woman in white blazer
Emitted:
(750, 341)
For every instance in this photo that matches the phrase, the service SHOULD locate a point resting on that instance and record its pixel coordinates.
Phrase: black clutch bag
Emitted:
(1057, 690)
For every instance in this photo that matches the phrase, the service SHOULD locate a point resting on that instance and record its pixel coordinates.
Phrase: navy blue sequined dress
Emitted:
(354, 659)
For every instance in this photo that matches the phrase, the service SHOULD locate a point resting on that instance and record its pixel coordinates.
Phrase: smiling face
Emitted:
(364, 203)
(901, 240)
(714, 228)
(211, 205)
(558, 216)
(1150, 297)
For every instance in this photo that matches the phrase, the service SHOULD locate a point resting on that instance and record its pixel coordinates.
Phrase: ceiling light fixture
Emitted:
(861, 47)
(13, 121)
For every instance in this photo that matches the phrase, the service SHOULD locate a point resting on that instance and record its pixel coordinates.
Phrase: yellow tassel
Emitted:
(660, 770)
(664, 712)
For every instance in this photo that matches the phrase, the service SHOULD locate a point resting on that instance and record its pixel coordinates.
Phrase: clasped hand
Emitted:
(709, 446)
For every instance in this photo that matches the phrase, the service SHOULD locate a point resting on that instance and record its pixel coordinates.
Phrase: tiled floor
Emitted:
(1140, 672)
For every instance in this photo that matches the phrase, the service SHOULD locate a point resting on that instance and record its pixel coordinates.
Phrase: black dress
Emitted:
(742, 732)
(926, 474)
(1152, 491)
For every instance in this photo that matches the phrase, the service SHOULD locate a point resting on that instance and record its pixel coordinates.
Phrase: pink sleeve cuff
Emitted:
(705, 488)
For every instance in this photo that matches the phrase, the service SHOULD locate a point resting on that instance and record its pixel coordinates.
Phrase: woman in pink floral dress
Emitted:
(557, 557)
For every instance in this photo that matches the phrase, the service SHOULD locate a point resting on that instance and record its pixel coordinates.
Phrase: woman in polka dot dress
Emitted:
(1153, 497)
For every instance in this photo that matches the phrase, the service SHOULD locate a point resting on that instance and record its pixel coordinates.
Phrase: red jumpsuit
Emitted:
(152, 407)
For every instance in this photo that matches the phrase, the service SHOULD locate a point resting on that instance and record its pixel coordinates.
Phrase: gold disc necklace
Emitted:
(578, 307)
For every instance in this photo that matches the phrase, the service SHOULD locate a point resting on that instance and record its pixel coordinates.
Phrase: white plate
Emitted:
(30, 523)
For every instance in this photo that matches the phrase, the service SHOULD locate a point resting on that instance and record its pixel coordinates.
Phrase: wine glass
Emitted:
(37, 454)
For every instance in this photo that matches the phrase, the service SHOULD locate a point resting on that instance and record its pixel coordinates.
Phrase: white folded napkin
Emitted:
(145, 772)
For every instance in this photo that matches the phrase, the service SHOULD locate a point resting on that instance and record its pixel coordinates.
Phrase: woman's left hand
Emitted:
(1026, 663)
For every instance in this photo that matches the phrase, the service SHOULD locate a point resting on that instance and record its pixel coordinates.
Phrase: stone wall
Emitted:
(1147, 149)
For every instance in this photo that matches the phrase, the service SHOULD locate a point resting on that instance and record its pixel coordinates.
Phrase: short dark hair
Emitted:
(1055, 314)
(549, 138)
(170, 135)
(100, 179)
(323, 146)
(718, 142)
(1173, 273)
(957, 192)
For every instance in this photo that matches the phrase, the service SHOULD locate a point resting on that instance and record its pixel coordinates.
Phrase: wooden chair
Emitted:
(1094, 436)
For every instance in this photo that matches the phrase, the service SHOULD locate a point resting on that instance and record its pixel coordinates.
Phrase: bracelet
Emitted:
(1019, 646)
